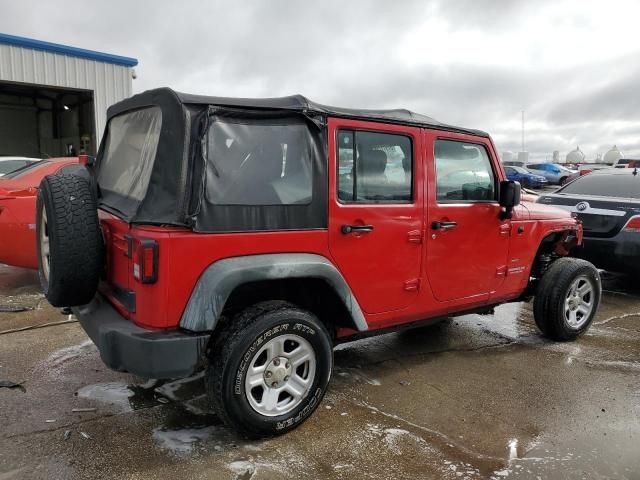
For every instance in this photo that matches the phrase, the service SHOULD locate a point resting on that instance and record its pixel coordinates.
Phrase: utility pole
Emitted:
(523, 130)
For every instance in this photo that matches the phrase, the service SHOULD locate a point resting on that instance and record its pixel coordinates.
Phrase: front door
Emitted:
(376, 211)
(467, 243)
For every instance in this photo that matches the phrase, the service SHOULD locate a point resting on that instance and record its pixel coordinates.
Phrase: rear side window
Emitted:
(258, 162)
(374, 167)
(130, 149)
(621, 186)
(463, 172)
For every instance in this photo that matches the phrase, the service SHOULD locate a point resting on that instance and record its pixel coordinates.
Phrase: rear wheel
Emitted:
(269, 369)
(563, 180)
(567, 299)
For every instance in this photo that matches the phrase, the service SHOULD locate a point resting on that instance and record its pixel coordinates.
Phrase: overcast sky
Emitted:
(573, 66)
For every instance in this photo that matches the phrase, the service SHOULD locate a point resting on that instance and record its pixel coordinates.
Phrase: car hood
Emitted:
(537, 211)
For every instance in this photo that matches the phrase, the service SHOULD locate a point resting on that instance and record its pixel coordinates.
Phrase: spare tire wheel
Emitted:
(69, 241)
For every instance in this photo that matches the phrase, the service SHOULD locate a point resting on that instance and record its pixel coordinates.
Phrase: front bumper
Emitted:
(126, 347)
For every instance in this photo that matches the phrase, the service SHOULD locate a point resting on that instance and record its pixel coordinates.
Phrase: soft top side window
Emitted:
(258, 162)
(463, 172)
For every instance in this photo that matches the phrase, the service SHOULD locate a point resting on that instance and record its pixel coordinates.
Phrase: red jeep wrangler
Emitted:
(249, 236)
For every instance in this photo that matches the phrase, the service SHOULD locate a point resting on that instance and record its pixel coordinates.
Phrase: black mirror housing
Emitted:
(510, 192)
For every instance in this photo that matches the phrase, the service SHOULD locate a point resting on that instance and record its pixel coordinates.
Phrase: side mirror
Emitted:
(509, 197)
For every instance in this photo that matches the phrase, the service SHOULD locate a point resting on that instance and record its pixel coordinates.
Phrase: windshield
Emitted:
(130, 149)
(622, 186)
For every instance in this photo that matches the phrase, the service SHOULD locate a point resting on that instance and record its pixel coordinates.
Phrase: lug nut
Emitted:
(268, 374)
(286, 378)
(287, 365)
(274, 384)
(276, 362)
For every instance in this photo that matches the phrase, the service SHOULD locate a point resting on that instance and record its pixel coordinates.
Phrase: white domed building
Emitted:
(575, 156)
(507, 156)
(612, 156)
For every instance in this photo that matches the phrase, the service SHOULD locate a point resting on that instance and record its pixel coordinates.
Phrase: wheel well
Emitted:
(555, 245)
(313, 294)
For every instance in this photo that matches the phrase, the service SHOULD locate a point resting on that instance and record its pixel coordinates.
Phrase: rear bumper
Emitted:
(619, 254)
(125, 347)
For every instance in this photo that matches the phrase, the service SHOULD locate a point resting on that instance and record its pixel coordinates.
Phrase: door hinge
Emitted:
(415, 236)
(412, 285)
(501, 271)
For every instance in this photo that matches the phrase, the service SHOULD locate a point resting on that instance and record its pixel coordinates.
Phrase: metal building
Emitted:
(54, 98)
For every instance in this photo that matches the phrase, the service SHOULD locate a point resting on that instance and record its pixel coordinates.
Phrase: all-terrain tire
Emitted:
(552, 307)
(238, 349)
(67, 224)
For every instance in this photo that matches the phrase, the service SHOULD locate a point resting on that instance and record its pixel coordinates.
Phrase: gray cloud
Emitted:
(356, 54)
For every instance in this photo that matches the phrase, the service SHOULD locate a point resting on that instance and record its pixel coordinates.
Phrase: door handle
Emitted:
(347, 229)
(443, 225)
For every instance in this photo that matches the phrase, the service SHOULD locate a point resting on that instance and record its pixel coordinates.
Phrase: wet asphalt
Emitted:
(472, 397)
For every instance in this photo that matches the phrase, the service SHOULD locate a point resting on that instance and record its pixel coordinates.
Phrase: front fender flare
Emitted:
(220, 279)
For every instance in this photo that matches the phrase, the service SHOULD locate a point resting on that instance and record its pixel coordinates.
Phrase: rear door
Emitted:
(467, 243)
(376, 211)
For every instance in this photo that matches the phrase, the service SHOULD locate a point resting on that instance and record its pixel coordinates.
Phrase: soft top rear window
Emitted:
(621, 186)
(129, 152)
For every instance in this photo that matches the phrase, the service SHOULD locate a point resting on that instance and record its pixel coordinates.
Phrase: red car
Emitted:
(249, 236)
(18, 192)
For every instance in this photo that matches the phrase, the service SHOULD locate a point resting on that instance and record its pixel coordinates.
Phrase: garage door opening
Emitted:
(45, 122)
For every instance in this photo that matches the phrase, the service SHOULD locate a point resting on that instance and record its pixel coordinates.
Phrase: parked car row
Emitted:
(537, 175)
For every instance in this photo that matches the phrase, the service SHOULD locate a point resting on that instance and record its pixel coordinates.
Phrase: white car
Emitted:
(11, 164)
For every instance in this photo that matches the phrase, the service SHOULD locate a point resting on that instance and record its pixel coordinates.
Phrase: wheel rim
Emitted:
(579, 302)
(280, 375)
(44, 244)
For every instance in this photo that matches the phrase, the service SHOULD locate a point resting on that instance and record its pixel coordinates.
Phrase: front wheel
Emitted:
(269, 369)
(567, 299)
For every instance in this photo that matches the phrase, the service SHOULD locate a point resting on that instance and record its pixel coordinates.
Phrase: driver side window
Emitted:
(463, 172)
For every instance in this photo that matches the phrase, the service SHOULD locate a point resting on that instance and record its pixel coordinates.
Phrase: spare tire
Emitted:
(69, 240)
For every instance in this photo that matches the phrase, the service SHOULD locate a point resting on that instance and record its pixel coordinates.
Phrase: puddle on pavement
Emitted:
(183, 432)
(186, 424)
(116, 394)
(18, 281)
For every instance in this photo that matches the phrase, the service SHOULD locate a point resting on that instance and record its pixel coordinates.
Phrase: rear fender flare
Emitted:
(220, 278)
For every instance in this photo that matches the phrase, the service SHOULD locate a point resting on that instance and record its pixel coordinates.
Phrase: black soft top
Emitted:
(173, 192)
(294, 103)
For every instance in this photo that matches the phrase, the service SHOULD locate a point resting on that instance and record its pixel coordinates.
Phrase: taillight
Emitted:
(633, 225)
(145, 260)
